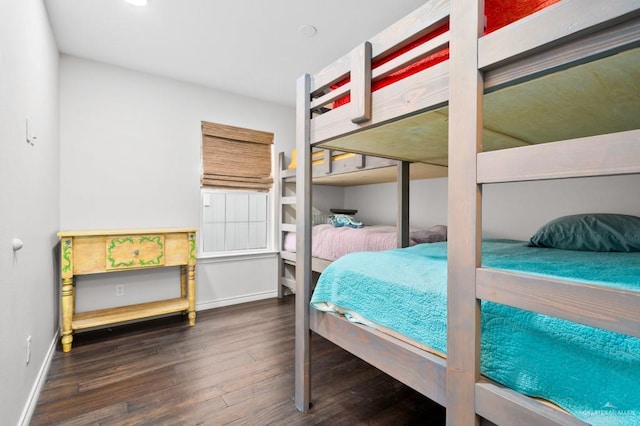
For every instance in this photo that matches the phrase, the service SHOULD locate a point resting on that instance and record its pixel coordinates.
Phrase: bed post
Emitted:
(361, 83)
(303, 244)
(403, 204)
(464, 213)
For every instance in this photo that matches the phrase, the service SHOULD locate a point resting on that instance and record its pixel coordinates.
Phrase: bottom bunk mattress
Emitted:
(592, 373)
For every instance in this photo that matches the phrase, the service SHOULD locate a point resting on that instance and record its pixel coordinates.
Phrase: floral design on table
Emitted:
(128, 252)
(66, 255)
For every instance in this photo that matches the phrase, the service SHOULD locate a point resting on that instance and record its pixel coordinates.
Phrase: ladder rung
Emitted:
(288, 227)
(287, 173)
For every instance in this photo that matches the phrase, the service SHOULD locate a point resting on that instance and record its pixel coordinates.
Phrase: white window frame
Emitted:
(204, 192)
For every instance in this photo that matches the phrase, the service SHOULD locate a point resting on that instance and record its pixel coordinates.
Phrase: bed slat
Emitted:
(414, 55)
(611, 309)
(416, 368)
(423, 20)
(602, 155)
(550, 26)
(288, 283)
(504, 406)
(331, 96)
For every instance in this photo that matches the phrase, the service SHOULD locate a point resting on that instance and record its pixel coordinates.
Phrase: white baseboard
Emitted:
(235, 300)
(41, 378)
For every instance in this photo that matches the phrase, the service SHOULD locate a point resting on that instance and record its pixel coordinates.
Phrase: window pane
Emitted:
(218, 237)
(237, 207)
(257, 235)
(258, 207)
(236, 236)
(218, 203)
(213, 234)
(207, 236)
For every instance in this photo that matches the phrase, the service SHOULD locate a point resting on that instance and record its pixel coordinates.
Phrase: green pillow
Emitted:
(590, 232)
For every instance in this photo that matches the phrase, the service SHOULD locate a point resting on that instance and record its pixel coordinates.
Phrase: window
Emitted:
(236, 180)
(235, 220)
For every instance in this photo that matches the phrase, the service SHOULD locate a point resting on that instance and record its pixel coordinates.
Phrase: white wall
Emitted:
(29, 206)
(130, 157)
(377, 204)
(512, 210)
(517, 210)
(327, 197)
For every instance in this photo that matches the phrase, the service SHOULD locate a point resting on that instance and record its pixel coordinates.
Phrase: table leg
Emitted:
(191, 284)
(183, 281)
(68, 303)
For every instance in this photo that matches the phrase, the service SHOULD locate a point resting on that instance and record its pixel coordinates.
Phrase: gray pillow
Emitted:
(590, 232)
(434, 234)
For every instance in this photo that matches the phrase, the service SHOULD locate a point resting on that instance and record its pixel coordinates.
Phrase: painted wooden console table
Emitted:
(92, 252)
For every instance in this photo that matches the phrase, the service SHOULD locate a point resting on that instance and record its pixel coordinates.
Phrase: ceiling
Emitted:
(250, 47)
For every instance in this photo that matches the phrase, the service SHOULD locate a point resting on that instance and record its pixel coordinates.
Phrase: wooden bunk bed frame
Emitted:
(445, 115)
(359, 169)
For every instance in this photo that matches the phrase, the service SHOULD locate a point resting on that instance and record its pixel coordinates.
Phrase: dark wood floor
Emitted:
(234, 367)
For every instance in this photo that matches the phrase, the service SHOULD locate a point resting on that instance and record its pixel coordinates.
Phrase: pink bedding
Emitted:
(330, 243)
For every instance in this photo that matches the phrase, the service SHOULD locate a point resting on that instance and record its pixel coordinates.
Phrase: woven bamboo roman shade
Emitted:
(236, 158)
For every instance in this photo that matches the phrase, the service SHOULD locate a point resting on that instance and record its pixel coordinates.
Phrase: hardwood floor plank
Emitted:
(234, 367)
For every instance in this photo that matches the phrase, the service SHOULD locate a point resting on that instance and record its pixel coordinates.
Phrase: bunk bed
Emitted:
(336, 168)
(551, 94)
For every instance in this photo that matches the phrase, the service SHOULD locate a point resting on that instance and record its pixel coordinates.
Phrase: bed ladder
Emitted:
(286, 207)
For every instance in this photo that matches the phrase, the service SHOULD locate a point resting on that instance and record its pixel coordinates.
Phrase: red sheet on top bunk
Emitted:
(499, 13)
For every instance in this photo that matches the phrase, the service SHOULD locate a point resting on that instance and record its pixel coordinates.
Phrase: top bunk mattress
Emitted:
(592, 373)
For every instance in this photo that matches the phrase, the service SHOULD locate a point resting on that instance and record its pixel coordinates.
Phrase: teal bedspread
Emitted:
(592, 373)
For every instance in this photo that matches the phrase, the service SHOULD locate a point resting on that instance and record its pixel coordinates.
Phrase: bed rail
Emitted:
(606, 308)
(504, 406)
(418, 369)
(602, 155)
(561, 22)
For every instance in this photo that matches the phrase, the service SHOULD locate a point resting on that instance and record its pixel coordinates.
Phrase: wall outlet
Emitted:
(120, 290)
(28, 354)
